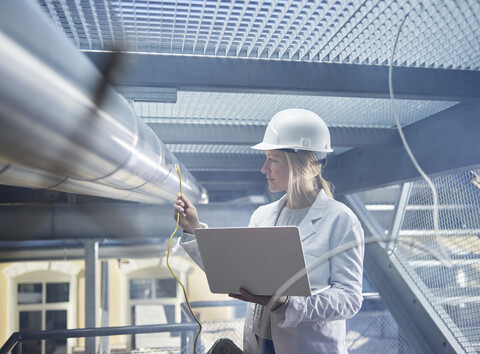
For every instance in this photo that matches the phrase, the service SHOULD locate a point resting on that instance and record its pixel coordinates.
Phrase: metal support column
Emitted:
(105, 305)
(91, 304)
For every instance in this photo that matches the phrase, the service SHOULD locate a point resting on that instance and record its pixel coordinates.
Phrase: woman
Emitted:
(296, 142)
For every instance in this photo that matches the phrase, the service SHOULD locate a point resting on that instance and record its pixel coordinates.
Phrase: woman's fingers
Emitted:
(186, 202)
(188, 213)
(179, 208)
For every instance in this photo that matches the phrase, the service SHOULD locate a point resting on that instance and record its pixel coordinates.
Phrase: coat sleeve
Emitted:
(344, 298)
(189, 244)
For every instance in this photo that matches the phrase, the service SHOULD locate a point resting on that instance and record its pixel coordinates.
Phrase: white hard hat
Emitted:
(297, 129)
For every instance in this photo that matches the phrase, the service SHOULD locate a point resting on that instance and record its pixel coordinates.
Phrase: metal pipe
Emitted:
(27, 177)
(51, 119)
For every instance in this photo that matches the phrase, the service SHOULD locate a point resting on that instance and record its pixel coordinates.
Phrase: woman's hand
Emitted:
(259, 299)
(188, 214)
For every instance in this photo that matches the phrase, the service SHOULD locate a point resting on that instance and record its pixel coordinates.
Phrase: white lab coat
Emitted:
(314, 324)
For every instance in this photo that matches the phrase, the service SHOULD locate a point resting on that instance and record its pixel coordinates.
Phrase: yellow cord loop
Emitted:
(171, 271)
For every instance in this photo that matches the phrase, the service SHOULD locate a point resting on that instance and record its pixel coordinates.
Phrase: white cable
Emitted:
(446, 258)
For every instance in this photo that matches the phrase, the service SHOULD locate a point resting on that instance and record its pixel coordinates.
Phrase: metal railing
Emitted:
(16, 339)
(373, 324)
(188, 329)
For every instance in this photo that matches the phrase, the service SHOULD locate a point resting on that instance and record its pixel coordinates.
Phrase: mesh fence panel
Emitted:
(453, 291)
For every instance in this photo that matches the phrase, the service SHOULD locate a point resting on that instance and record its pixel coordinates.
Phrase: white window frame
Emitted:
(44, 273)
(154, 269)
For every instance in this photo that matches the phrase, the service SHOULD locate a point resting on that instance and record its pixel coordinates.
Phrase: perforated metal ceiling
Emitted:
(250, 108)
(226, 67)
(438, 34)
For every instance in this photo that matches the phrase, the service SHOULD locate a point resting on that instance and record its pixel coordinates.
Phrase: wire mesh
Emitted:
(373, 330)
(257, 108)
(441, 34)
(453, 292)
(216, 329)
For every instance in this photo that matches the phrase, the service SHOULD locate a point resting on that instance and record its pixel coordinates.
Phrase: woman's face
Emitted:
(275, 169)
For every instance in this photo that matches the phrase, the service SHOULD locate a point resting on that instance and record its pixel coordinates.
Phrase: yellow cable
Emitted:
(171, 271)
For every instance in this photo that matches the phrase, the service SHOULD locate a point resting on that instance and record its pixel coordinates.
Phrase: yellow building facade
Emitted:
(46, 295)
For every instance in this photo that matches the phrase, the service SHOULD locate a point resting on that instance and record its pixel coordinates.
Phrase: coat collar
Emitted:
(316, 211)
(270, 214)
(306, 227)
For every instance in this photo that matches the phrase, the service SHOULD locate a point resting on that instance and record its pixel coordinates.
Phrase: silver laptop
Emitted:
(259, 259)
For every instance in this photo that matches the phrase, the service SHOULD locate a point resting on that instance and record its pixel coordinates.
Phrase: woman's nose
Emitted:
(265, 168)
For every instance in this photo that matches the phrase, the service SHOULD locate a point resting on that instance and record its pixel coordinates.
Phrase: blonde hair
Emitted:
(304, 177)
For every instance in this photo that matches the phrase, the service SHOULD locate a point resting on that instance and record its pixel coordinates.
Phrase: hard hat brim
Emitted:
(267, 146)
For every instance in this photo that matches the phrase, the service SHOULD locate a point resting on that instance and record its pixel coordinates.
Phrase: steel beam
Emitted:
(46, 250)
(445, 142)
(205, 161)
(220, 176)
(241, 134)
(113, 220)
(148, 94)
(334, 79)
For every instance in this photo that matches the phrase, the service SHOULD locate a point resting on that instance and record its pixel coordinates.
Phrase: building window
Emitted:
(154, 301)
(29, 294)
(148, 288)
(43, 296)
(43, 306)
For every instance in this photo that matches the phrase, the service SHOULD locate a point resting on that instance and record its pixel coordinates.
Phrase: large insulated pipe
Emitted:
(21, 176)
(49, 119)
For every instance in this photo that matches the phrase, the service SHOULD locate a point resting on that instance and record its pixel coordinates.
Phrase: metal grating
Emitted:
(253, 108)
(453, 292)
(441, 34)
(213, 149)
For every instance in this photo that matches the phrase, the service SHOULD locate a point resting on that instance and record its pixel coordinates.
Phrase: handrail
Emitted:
(220, 303)
(18, 337)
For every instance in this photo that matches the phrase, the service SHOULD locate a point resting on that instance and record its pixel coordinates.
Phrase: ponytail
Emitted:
(304, 169)
(326, 186)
